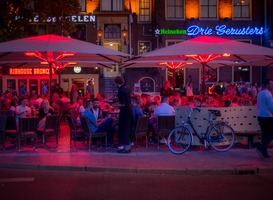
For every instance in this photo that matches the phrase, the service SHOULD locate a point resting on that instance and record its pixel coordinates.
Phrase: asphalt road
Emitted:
(67, 185)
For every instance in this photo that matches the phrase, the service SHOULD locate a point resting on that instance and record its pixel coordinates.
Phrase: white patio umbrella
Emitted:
(53, 49)
(206, 50)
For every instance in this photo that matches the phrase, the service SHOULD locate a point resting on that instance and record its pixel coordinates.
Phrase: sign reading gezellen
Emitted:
(218, 30)
(73, 18)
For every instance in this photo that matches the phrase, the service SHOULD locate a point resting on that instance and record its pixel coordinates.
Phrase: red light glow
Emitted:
(49, 56)
(206, 58)
(174, 65)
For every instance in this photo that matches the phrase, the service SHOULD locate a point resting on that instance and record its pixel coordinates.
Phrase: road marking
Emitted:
(11, 180)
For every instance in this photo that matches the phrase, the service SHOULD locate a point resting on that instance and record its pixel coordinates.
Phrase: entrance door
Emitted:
(80, 83)
(114, 71)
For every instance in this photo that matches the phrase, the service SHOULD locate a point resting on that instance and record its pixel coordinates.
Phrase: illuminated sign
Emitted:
(224, 30)
(170, 32)
(73, 18)
(218, 30)
(30, 71)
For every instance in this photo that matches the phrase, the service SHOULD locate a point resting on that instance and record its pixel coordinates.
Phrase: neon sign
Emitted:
(218, 30)
(164, 31)
(73, 18)
(30, 71)
(224, 30)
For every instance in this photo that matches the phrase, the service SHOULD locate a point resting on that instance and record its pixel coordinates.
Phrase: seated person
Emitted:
(101, 125)
(137, 112)
(44, 111)
(164, 109)
(23, 110)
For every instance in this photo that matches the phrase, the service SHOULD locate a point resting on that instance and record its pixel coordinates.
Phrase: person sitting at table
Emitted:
(137, 112)
(23, 110)
(164, 109)
(104, 124)
(44, 110)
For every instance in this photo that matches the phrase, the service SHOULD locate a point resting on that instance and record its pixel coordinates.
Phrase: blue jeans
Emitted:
(107, 126)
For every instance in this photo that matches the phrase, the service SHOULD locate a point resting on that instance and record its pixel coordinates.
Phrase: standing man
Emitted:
(89, 88)
(166, 91)
(125, 114)
(265, 117)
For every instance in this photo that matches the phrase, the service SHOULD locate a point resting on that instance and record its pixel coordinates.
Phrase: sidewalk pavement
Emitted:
(238, 160)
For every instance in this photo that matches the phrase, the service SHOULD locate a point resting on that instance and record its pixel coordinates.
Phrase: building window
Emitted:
(171, 42)
(144, 11)
(111, 5)
(80, 33)
(208, 9)
(83, 5)
(242, 73)
(241, 9)
(11, 85)
(144, 47)
(175, 9)
(112, 31)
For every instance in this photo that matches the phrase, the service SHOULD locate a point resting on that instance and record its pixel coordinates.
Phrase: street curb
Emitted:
(202, 172)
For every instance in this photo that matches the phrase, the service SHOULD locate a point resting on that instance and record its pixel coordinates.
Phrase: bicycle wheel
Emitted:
(221, 137)
(179, 140)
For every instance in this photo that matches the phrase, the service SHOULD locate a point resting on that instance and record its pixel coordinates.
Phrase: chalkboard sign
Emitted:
(147, 84)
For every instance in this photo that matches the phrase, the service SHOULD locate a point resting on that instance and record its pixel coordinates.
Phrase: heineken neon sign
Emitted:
(218, 30)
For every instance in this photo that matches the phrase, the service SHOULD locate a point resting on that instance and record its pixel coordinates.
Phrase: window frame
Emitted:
(112, 2)
(143, 41)
(175, 18)
(208, 8)
(249, 10)
(149, 15)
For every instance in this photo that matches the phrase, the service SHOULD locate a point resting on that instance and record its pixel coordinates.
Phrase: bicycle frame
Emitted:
(209, 126)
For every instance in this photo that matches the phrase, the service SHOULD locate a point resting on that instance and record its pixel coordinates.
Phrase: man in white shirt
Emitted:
(265, 117)
(23, 110)
(163, 109)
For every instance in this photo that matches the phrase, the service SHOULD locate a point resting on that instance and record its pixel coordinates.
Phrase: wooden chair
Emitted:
(74, 114)
(11, 129)
(164, 126)
(142, 128)
(75, 132)
(3, 120)
(89, 134)
(51, 128)
(27, 129)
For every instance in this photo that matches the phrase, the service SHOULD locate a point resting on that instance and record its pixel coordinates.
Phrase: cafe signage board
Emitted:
(217, 30)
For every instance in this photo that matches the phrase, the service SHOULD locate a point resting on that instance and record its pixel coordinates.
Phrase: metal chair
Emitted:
(51, 128)
(75, 133)
(3, 120)
(27, 129)
(11, 129)
(142, 128)
(89, 134)
(164, 126)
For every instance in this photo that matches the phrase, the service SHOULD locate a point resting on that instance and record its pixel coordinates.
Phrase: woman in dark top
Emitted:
(44, 110)
(125, 114)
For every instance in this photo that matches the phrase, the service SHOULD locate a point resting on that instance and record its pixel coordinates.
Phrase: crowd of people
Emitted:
(130, 106)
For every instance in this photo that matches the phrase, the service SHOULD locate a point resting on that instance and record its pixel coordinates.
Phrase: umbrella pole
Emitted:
(50, 81)
(203, 81)
(174, 82)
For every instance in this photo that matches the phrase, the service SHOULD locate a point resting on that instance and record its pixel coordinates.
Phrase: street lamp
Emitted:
(124, 34)
(99, 36)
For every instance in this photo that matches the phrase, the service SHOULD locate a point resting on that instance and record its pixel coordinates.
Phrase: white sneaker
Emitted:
(132, 144)
(163, 141)
(121, 147)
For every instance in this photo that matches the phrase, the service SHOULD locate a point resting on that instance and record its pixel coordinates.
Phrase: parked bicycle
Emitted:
(219, 135)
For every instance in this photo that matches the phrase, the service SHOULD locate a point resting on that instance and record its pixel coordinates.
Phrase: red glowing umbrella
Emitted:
(53, 49)
(206, 50)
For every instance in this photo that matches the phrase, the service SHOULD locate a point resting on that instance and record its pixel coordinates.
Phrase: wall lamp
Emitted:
(99, 36)
(124, 34)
